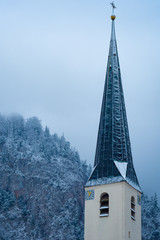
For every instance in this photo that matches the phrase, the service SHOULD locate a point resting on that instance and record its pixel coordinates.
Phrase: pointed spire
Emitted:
(113, 158)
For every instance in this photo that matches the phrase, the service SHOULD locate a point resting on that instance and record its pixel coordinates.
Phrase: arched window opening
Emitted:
(104, 205)
(133, 208)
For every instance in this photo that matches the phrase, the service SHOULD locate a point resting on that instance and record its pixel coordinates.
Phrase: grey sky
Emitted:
(53, 57)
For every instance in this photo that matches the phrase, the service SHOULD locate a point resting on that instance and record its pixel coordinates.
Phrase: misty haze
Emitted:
(53, 60)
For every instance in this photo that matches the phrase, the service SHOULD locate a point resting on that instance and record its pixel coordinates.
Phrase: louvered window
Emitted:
(133, 208)
(104, 205)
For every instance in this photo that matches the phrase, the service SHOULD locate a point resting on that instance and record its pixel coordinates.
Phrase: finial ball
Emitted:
(113, 17)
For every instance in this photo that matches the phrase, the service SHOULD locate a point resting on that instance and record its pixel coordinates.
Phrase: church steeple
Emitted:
(112, 193)
(113, 158)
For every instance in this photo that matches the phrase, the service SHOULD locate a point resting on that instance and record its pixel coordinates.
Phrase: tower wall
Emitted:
(134, 227)
(118, 225)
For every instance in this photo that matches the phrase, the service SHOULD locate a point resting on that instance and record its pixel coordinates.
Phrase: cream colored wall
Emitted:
(117, 225)
(130, 225)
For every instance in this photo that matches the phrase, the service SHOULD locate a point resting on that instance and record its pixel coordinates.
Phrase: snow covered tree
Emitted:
(150, 218)
(42, 178)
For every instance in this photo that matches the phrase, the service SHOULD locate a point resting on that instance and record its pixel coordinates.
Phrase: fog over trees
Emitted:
(41, 190)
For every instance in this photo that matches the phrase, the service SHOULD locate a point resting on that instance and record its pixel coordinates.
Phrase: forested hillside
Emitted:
(42, 178)
(41, 186)
(150, 218)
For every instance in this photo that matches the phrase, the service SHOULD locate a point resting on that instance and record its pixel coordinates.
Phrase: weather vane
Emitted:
(113, 6)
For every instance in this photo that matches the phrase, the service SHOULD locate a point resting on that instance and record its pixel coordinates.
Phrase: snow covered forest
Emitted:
(41, 186)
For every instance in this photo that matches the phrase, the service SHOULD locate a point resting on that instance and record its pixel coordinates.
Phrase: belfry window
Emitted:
(104, 205)
(133, 208)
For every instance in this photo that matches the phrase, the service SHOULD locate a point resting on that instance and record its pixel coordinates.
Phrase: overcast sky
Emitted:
(53, 57)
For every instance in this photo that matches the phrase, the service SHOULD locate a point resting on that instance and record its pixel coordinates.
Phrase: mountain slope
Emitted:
(42, 178)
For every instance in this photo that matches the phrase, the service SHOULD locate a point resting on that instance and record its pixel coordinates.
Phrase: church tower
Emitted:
(112, 193)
